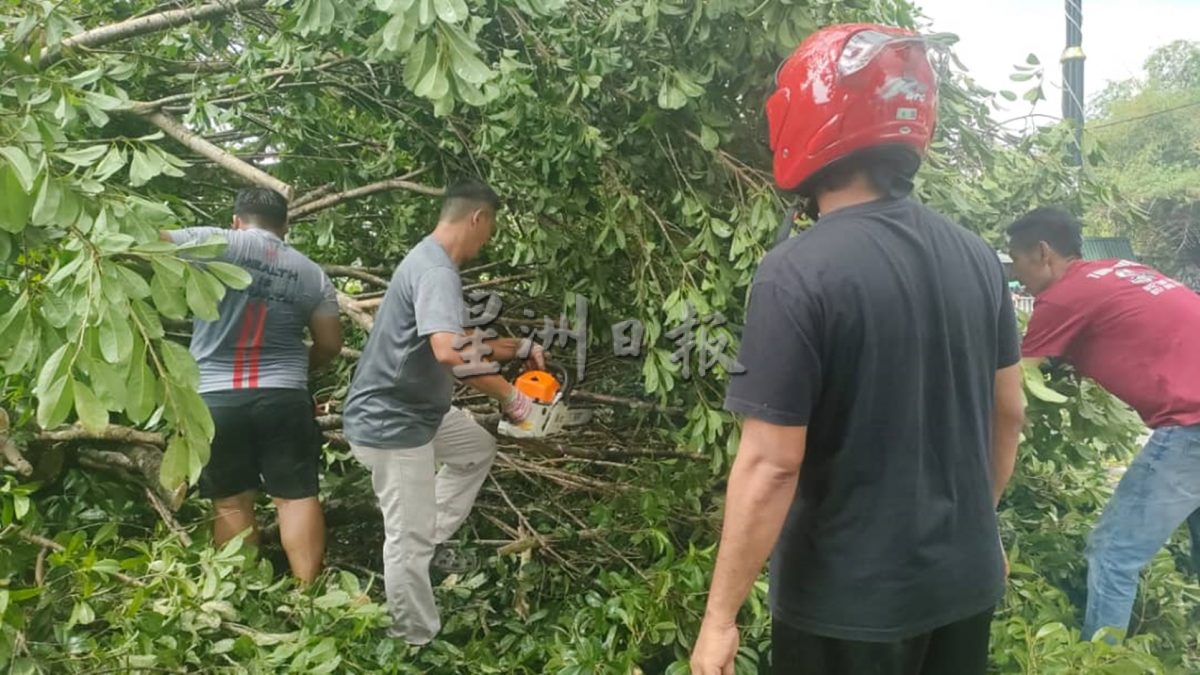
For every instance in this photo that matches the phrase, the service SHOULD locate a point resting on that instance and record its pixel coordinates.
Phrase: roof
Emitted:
(1106, 248)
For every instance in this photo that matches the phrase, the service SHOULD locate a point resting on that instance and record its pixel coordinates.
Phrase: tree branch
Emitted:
(197, 144)
(354, 273)
(400, 183)
(111, 433)
(144, 25)
(351, 309)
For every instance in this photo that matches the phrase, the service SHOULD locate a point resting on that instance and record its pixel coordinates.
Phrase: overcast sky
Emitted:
(1118, 35)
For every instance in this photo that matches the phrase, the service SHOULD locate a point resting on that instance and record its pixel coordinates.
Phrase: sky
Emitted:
(1118, 36)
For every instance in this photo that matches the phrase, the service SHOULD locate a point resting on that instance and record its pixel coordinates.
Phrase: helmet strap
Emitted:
(789, 220)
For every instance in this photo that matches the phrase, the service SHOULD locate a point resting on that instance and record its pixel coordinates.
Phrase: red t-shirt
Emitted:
(1131, 329)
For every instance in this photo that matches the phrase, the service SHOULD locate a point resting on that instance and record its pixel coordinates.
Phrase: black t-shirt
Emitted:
(881, 329)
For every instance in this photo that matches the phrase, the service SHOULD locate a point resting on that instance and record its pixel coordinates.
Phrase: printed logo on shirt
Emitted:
(1152, 283)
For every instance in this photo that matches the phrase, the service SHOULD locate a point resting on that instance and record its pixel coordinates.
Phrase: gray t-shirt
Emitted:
(400, 392)
(257, 342)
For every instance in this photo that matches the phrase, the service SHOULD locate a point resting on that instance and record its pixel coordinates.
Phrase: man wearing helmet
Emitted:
(881, 396)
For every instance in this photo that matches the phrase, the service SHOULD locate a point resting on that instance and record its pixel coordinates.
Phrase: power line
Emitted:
(1142, 117)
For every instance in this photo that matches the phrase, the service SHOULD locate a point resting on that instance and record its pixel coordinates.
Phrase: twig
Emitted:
(354, 273)
(620, 400)
(144, 25)
(165, 514)
(400, 183)
(499, 282)
(39, 567)
(59, 548)
(529, 528)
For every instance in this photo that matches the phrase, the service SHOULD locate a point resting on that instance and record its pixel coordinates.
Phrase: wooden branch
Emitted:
(499, 282)
(165, 514)
(9, 451)
(197, 144)
(39, 566)
(350, 353)
(401, 183)
(36, 540)
(144, 25)
(314, 194)
(351, 309)
(354, 273)
(113, 432)
(620, 400)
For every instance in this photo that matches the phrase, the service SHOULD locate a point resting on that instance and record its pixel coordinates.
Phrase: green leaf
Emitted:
(179, 364)
(85, 156)
(1021, 77)
(203, 294)
(463, 61)
(16, 204)
(140, 387)
(451, 11)
(6, 321)
(45, 207)
(1035, 382)
(168, 296)
(196, 418)
(116, 337)
(92, 415)
(52, 370)
(112, 163)
(1008, 95)
(148, 319)
(1032, 59)
(55, 404)
(144, 167)
(134, 285)
(709, 138)
(231, 275)
(669, 97)
(109, 385)
(174, 469)
(26, 347)
(21, 166)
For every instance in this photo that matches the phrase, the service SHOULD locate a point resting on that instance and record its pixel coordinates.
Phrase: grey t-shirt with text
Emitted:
(257, 342)
(400, 392)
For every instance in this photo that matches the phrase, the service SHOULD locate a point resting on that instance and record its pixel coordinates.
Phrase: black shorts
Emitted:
(265, 438)
(960, 648)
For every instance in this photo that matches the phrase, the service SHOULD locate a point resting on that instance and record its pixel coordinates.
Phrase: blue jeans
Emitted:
(1158, 493)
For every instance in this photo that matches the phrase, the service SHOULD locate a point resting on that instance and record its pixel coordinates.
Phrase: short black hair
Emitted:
(890, 168)
(1053, 225)
(263, 206)
(466, 195)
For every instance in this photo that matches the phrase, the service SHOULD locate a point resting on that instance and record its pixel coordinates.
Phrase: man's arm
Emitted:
(762, 484)
(326, 330)
(1008, 417)
(442, 344)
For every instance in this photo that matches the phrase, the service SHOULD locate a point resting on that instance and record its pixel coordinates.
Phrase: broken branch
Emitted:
(400, 183)
(357, 315)
(197, 144)
(144, 25)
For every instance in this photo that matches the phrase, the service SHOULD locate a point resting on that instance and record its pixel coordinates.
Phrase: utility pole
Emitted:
(1072, 65)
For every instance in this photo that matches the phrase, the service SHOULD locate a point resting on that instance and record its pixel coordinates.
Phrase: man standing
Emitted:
(398, 416)
(881, 396)
(254, 377)
(1134, 331)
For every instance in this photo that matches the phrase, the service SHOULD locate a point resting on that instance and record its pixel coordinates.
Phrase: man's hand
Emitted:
(536, 359)
(517, 406)
(715, 648)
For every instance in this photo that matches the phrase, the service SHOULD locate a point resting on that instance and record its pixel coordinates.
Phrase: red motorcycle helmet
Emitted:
(847, 88)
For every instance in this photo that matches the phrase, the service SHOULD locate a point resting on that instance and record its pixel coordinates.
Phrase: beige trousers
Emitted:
(422, 509)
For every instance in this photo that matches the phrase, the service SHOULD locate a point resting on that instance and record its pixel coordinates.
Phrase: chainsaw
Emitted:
(548, 389)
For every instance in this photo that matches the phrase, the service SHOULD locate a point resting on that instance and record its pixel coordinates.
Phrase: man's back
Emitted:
(1131, 329)
(881, 329)
(400, 391)
(257, 342)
